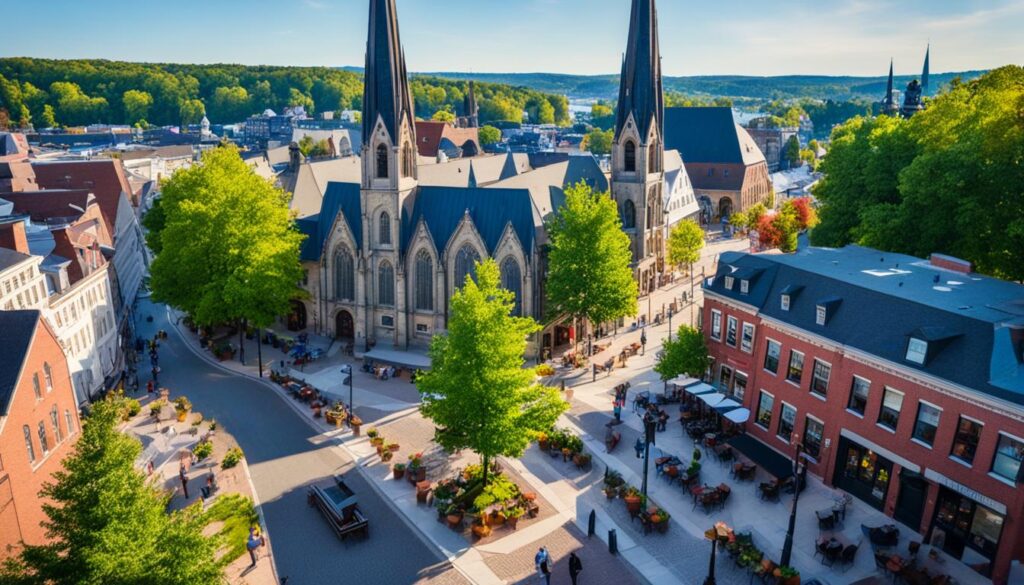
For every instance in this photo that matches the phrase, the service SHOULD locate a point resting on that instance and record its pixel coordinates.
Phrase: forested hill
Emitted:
(733, 86)
(51, 92)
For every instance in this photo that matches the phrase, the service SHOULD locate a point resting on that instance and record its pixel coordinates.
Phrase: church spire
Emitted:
(472, 110)
(640, 90)
(386, 92)
(925, 71)
(889, 104)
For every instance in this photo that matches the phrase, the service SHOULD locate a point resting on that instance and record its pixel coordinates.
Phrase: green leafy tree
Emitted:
(108, 522)
(489, 135)
(686, 354)
(477, 393)
(230, 104)
(791, 151)
(136, 105)
(443, 116)
(685, 243)
(74, 107)
(228, 248)
(588, 262)
(598, 142)
(191, 111)
(48, 119)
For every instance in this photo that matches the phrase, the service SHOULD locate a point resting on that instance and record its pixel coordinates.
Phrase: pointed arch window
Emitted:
(408, 160)
(344, 276)
(512, 280)
(465, 263)
(385, 228)
(424, 281)
(652, 157)
(386, 284)
(382, 161)
(629, 156)
(628, 215)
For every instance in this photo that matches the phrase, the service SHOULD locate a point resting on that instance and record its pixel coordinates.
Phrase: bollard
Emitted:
(613, 542)
(592, 523)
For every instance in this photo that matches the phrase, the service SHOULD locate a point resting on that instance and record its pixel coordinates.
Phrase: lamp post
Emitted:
(787, 547)
(719, 529)
(347, 369)
(649, 431)
(670, 324)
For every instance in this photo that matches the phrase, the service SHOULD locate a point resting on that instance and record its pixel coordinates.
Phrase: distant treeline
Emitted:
(49, 92)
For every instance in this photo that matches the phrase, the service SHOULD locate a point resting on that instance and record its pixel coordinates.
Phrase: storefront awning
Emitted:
(405, 359)
(683, 381)
(762, 455)
(727, 405)
(738, 416)
(700, 388)
(712, 399)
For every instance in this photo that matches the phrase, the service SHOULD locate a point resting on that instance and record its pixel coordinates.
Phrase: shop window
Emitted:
(730, 331)
(892, 403)
(725, 379)
(787, 421)
(819, 378)
(965, 442)
(747, 341)
(771, 356)
(927, 423)
(716, 325)
(814, 430)
(795, 372)
(858, 395)
(764, 409)
(740, 389)
(1008, 458)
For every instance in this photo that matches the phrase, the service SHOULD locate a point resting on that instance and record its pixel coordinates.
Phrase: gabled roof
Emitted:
(491, 210)
(339, 197)
(709, 135)
(51, 205)
(561, 175)
(104, 178)
(9, 258)
(508, 170)
(17, 328)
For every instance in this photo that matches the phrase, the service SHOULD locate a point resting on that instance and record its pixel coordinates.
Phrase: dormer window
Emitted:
(785, 302)
(744, 286)
(821, 314)
(825, 309)
(917, 350)
(729, 282)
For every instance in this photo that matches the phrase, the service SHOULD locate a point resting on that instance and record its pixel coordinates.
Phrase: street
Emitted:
(285, 455)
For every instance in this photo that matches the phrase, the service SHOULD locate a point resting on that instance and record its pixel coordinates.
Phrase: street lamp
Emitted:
(347, 369)
(649, 431)
(787, 547)
(720, 529)
(670, 323)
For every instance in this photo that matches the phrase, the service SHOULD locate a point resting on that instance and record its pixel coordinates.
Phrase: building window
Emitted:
(729, 281)
(512, 280)
(387, 321)
(424, 281)
(725, 379)
(795, 372)
(385, 228)
(465, 265)
(859, 395)
(747, 340)
(927, 423)
(820, 315)
(744, 287)
(892, 402)
(28, 444)
(764, 409)
(652, 157)
(344, 276)
(916, 350)
(422, 328)
(1008, 458)
(628, 215)
(629, 156)
(787, 421)
(35, 386)
(386, 284)
(819, 378)
(771, 356)
(69, 422)
(716, 325)
(965, 442)
(55, 420)
(382, 161)
(408, 160)
(730, 331)
(740, 389)
(814, 430)
(42, 438)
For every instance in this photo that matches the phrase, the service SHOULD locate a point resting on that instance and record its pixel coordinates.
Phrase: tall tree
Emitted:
(443, 116)
(588, 263)
(686, 354)
(792, 151)
(228, 248)
(685, 243)
(477, 393)
(109, 523)
(489, 135)
(136, 105)
(598, 141)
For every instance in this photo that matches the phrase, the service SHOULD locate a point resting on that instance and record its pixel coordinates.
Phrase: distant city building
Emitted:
(771, 140)
(913, 97)
(433, 138)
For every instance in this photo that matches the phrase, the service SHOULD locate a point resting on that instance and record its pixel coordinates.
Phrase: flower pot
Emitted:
(543, 444)
(566, 453)
(380, 450)
(481, 530)
(512, 522)
(393, 448)
(569, 393)
(182, 415)
(418, 474)
(398, 471)
(355, 430)
(611, 493)
(633, 504)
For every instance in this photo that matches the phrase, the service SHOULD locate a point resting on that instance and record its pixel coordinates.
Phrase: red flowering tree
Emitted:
(806, 215)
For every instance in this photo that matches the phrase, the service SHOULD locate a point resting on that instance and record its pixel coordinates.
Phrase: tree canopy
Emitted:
(588, 262)
(228, 249)
(109, 522)
(685, 243)
(598, 141)
(477, 393)
(947, 180)
(685, 354)
(489, 135)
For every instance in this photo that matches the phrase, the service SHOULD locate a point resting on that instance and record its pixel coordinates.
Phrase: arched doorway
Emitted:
(343, 326)
(724, 208)
(297, 318)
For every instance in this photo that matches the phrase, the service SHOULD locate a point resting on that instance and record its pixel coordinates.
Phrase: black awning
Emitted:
(764, 456)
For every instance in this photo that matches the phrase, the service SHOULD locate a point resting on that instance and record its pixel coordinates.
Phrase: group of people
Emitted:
(154, 360)
(620, 400)
(543, 562)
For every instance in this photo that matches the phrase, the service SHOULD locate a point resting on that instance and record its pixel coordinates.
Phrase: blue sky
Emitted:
(753, 37)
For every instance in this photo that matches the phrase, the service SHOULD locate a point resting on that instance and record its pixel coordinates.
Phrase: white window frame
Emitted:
(913, 352)
(796, 413)
(714, 313)
(820, 315)
(850, 397)
(729, 281)
(757, 412)
(735, 376)
(903, 397)
(747, 348)
(827, 380)
(744, 286)
(736, 327)
(784, 302)
(778, 360)
(917, 418)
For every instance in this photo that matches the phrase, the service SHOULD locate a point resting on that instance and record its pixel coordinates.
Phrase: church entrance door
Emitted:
(343, 326)
(724, 208)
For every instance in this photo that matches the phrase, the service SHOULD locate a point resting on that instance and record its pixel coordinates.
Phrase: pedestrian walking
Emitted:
(617, 410)
(183, 474)
(540, 560)
(545, 570)
(575, 567)
(639, 447)
(253, 544)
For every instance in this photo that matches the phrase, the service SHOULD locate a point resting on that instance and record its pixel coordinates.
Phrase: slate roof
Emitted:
(10, 258)
(709, 135)
(490, 209)
(105, 178)
(885, 299)
(640, 86)
(17, 328)
(386, 89)
(343, 197)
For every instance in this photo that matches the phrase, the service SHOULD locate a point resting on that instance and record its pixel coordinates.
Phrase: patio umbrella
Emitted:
(700, 388)
(712, 399)
(727, 405)
(738, 416)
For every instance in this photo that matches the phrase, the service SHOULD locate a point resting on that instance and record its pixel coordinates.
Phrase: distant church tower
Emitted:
(925, 71)
(890, 105)
(638, 149)
(389, 175)
(472, 110)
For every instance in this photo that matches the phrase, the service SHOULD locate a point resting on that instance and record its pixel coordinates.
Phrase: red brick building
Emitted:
(902, 379)
(38, 423)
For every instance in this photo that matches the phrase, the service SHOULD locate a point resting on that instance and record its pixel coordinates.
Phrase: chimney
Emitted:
(950, 263)
(12, 236)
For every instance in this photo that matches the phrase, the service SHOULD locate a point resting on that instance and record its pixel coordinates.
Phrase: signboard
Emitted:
(964, 490)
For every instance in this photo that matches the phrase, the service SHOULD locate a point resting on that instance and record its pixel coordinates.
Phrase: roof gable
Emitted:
(17, 329)
(709, 135)
(442, 208)
(339, 198)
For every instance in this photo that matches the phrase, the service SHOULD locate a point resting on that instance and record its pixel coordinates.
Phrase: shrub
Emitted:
(155, 407)
(202, 450)
(545, 370)
(131, 408)
(182, 403)
(232, 458)
(213, 425)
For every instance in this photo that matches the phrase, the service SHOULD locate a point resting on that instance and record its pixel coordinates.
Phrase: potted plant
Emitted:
(498, 517)
(660, 520)
(633, 500)
(155, 407)
(182, 406)
(787, 576)
(582, 460)
(566, 453)
(386, 455)
(611, 492)
(393, 447)
(542, 441)
(398, 469)
(612, 478)
(417, 472)
(513, 514)
(355, 422)
(480, 528)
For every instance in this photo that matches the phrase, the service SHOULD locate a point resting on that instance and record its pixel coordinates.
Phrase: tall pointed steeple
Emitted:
(386, 92)
(472, 177)
(890, 105)
(472, 110)
(640, 87)
(925, 71)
